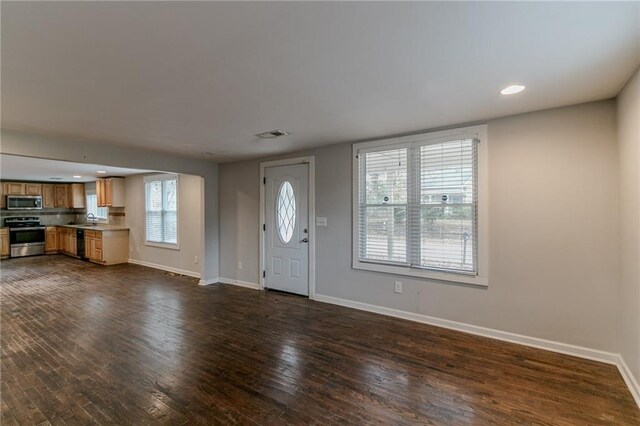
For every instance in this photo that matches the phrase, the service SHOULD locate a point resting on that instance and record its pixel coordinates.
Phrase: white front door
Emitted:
(287, 228)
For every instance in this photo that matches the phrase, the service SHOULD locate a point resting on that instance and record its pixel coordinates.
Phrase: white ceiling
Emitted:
(195, 77)
(13, 167)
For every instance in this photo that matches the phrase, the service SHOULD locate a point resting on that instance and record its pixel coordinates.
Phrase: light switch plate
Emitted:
(321, 221)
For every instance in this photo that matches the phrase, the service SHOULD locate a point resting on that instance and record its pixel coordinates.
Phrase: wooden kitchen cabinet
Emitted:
(93, 245)
(15, 188)
(67, 241)
(53, 196)
(4, 242)
(48, 199)
(3, 195)
(72, 248)
(60, 196)
(51, 239)
(110, 192)
(62, 232)
(33, 189)
(75, 196)
(107, 247)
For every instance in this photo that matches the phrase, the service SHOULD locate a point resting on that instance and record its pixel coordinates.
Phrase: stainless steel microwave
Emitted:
(24, 202)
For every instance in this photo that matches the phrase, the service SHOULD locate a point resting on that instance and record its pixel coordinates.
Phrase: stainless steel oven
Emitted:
(24, 202)
(26, 236)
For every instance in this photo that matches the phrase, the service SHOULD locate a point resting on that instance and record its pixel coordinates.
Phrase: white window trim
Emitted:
(482, 278)
(169, 246)
(150, 178)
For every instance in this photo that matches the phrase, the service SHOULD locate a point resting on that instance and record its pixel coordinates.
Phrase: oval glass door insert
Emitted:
(285, 211)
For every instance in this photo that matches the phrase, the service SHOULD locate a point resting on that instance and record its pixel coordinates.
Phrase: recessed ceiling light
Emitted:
(512, 90)
(101, 172)
(77, 176)
(272, 134)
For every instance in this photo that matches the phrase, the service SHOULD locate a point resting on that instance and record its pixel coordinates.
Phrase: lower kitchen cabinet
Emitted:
(107, 247)
(51, 240)
(4, 242)
(67, 241)
(61, 239)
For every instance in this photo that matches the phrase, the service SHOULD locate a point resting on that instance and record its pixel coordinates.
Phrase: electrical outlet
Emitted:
(195, 259)
(240, 266)
(397, 287)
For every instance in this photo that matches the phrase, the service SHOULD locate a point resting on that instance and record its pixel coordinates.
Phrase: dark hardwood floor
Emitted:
(125, 344)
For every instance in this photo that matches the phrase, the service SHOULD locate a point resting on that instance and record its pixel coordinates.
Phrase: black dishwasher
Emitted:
(80, 244)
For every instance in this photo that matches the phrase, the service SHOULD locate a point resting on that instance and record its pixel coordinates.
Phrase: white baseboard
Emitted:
(208, 281)
(631, 381)
(246, 284)
(563, 348)
(549, 345)
(165, 268)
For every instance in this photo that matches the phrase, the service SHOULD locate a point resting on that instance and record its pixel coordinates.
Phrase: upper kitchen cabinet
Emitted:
(48, 199)
(60, 199)
(75, 196)
(61, 196)
(110, 192)
(15, 188)
(33, 189)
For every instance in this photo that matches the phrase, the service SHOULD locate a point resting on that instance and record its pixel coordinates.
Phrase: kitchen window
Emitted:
(161, 209)
(419, 206)
(101, 213)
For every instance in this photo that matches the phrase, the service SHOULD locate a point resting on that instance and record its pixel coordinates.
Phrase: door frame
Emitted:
(311, 161)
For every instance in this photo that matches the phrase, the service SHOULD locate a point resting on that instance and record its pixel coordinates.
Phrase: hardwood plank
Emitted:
(83, 344)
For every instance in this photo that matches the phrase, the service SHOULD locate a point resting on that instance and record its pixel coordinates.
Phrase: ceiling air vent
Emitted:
(272, 134)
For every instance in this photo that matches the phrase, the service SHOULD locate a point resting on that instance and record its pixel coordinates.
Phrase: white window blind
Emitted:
(417, 205)
(161, 206)
(383, 205)
(92, 207)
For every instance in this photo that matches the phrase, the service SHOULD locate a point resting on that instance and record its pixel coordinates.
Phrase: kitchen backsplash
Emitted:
(116, 216)
(50, 217)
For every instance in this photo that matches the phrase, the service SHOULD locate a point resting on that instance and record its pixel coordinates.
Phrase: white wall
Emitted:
(553, 217)
(55, 148)
(629, 145)
(190, 219)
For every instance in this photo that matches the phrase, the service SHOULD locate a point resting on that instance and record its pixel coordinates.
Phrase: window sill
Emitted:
(475, 280)
(162, 245)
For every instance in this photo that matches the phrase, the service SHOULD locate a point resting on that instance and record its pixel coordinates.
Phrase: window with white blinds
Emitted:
(161, 208)
(417, 204)
(100, 213)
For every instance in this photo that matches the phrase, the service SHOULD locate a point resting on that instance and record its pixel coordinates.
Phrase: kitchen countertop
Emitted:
(97, 227)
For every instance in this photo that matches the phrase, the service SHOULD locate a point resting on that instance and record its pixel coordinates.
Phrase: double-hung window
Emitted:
(161, 209)
(416, 206)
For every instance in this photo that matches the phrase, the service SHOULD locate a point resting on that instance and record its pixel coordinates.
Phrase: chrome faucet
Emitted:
(92, 218)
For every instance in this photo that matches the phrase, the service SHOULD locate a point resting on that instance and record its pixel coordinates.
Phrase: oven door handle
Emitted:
(34, 228)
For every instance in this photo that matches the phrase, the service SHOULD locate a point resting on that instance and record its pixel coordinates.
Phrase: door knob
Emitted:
(305, 240)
